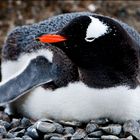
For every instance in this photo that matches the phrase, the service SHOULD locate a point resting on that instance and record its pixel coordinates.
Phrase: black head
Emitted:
(98, 44)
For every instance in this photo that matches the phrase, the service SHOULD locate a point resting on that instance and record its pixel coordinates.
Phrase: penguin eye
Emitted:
(89, 39)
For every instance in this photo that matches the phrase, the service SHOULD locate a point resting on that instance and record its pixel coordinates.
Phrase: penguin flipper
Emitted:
(37, 72)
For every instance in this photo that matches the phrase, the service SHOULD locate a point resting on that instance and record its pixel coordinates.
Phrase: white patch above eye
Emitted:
(95, 29)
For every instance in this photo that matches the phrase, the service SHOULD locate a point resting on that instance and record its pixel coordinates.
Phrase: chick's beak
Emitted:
(51, 38)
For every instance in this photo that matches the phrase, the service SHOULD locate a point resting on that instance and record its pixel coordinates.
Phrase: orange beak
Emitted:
(51, 38)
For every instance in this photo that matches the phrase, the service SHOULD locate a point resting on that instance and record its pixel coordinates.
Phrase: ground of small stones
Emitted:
(13, 128)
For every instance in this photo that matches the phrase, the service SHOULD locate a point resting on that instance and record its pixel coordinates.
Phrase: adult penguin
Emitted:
(77, 101)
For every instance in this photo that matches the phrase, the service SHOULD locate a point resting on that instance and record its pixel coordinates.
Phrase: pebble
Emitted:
(79, 134)
(26, 137)
(88, 138)
(127, 138)
(25, 122)
(15, 123)
(19, 133)
(5, 124)
(91, 127)
(16, 129)
(91, 7)
(72, 123)
(17, 138)
(114, 129)
(32, 132)
(98, 133)
(109, 137)
(3, 131)
(56, 138)
(68, 136)
(59, 128)
(69, 130)
(132, 127)
(100, 121)
(45, 127)
(10, 135)
(48, 136)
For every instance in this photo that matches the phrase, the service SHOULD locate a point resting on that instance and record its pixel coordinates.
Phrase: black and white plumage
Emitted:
(105, 53)
(20, 48)
(79, 100)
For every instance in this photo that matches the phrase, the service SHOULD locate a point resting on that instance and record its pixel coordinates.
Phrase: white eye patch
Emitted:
(95, 29)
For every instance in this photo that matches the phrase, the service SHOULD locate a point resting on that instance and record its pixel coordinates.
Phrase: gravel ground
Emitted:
(17, 12)
(99, 129)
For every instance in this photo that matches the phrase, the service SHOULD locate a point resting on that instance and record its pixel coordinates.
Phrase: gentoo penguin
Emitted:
(105, 53)
(82, 100)
(107, 57)
(19, 49)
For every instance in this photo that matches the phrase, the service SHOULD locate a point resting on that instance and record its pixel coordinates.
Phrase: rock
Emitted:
(98, 133)
(56, 138)
(19, 133)
(72, 123)
(109, 137)
(100, 121)
(16, 129)
(79, 134)
(2, 131)
(127, 138)
(59, 128)
(48, 136)
(5, 124)
(26, 137)
(17, 138)
(68, 136)
(92, 7)
(88, 138)
(15, 123)
(91, 127)
(69, 130)
(45, 127)
(32, 132)
(25, 122)
(114, 129)
(132, 127)
(10, 135)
